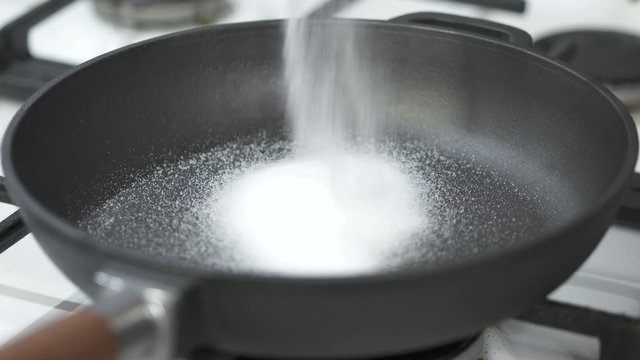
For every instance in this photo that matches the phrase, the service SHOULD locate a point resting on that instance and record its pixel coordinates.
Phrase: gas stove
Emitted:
(594, 315)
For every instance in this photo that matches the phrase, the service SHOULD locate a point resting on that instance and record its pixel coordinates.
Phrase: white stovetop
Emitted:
(32, 289)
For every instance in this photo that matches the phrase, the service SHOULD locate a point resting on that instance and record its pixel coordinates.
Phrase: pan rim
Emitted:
(73, 234)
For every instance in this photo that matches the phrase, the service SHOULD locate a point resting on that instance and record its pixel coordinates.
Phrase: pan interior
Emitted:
(468, 207)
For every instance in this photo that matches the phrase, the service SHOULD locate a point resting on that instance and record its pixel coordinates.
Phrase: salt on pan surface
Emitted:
(321, 215)
(176, 213)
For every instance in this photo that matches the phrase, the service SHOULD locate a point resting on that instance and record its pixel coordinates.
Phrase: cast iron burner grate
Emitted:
(611, 57)
(21, 75)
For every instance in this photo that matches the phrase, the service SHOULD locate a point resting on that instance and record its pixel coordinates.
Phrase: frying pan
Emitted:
(474, 86)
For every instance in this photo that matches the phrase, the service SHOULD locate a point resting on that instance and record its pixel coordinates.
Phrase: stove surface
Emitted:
(32, 290)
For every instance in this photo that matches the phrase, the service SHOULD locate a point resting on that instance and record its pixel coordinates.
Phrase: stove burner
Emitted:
(610, 57)
(454, 351)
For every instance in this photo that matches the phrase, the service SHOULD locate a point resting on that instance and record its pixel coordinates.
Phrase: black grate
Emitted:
(12, 229)
(619, 335)
(21, 74)
(629, 211)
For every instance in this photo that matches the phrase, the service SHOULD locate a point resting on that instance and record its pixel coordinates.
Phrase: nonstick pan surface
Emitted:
(471, 205)
(532, 160)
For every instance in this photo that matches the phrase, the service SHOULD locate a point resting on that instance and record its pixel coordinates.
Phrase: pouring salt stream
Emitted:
(331, 207)
(338, 198)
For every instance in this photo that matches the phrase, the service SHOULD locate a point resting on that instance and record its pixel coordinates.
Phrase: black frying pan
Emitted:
(474, 89)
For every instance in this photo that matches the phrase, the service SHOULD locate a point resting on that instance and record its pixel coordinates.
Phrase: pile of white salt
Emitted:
(321, 216)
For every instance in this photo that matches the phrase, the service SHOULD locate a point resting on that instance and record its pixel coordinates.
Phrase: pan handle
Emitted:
(82, 335)
(484, 28)
(130, 320)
